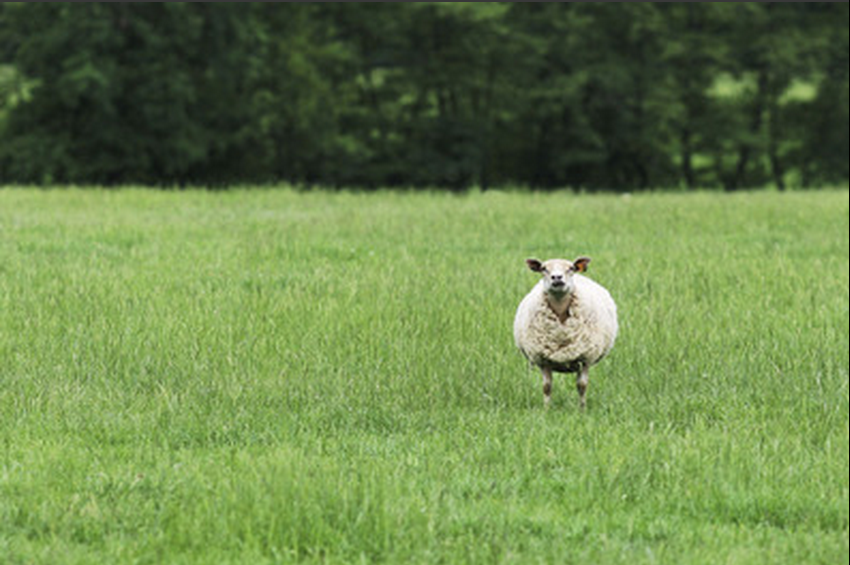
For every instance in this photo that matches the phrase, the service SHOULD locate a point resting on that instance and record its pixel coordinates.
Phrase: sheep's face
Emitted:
(558, 273)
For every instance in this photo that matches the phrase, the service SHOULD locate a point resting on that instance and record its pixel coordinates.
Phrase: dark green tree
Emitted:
(616, 96)
(126, 92)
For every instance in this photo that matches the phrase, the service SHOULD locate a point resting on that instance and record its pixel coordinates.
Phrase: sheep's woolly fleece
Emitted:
(586, 336)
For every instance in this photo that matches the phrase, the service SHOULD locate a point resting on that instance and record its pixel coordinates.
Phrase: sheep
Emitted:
(567, 323)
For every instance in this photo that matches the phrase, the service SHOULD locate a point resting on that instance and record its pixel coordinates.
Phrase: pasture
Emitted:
(269, 376)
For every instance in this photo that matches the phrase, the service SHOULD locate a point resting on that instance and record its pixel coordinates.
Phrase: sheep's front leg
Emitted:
(582, 380)
(547, 386)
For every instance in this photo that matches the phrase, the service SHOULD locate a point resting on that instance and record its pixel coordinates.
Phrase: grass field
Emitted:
(273, 376)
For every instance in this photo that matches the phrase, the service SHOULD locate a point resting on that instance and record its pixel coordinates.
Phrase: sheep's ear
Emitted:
(534, 265)
(581, 264)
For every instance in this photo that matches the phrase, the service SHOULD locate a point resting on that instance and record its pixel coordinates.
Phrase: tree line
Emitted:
(594, 96)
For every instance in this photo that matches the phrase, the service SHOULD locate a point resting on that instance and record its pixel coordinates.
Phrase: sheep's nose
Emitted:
(557, 278)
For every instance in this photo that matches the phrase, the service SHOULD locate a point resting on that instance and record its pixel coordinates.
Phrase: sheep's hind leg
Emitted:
(547, 386)
(582, 380)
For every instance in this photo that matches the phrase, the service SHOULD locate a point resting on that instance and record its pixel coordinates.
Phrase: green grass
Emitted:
(274, 377)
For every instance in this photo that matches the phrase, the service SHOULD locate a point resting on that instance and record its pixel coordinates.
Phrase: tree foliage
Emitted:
(619, 96)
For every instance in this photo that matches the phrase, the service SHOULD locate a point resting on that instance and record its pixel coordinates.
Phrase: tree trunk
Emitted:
(745, 149)
(687, 159)
(776, 168)
(485, 117)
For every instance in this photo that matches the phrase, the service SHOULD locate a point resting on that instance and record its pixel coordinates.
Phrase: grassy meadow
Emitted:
(268, 376)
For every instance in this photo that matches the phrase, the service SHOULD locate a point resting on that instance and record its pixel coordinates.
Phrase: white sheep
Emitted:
(566, 323)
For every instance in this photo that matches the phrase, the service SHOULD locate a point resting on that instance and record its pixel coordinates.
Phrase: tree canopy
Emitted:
(595, 96)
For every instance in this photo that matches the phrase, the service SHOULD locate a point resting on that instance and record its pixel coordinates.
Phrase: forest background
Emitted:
(591, 96)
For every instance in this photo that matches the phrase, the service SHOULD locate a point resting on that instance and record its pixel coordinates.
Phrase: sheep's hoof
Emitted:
(581, 386)
(582, 400)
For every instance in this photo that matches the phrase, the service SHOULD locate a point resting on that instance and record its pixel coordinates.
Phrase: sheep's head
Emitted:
(558, 273)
